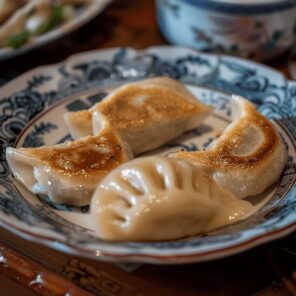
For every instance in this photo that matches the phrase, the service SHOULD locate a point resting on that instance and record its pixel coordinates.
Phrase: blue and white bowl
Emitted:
(256, 29)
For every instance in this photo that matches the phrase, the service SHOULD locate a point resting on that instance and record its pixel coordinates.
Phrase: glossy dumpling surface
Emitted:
(248, 157)
(68, 173)
(156, 198)
(147, 114)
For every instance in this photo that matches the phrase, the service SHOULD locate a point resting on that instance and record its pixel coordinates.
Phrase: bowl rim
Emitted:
(227, 6)
(251, 2)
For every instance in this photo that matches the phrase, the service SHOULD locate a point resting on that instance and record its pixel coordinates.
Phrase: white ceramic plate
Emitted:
(83, 15)
(31, 109)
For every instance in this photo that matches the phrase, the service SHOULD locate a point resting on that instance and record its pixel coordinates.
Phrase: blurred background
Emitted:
(259, 32)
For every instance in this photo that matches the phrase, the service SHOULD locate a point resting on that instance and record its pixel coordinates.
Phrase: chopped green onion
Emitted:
(57, 17)
(31, 12)
(18, 40)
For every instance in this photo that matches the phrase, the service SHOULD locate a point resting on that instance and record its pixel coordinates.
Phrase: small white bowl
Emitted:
(256, 29)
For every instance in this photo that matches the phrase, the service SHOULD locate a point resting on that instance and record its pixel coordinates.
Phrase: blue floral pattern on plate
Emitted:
(84, 80)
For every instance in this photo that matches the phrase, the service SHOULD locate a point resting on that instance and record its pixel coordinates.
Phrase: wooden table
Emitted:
(265, 270)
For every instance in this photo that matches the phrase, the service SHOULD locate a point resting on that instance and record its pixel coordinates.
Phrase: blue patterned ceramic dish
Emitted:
(255, 29)
(83, 15)
(31, 109)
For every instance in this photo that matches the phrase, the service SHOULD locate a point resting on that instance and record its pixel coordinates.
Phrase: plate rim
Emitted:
(160, 259)
(78, 55)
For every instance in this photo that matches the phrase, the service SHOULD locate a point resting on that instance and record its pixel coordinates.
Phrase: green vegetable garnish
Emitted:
(18, 40)
(31, 12)
(57, 17)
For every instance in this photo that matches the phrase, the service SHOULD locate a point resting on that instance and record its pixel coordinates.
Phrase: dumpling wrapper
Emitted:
(147, 114)
(156, 198)
(247, 158)
(69, 173)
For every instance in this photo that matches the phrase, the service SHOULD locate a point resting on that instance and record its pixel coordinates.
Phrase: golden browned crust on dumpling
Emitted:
(88, 158)
(139, 104)
(248, 157)
(82, 115)
(222, 156)
(158, 104)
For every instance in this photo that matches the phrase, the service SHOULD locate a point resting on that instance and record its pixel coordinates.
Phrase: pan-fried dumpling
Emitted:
(248, 157)
(147, 114)
(68, 173)
(156, 198)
